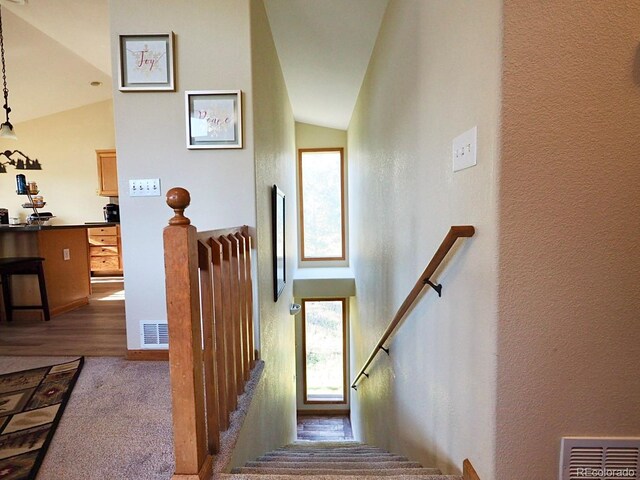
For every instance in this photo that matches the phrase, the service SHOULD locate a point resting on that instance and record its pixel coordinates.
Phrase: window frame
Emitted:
(345, 379)
(343, 216)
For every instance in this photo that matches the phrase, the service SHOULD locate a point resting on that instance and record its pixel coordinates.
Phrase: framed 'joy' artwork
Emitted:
(214, 119)
(146, 62)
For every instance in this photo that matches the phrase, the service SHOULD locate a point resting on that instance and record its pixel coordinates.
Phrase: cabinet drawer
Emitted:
(103, 240)
(105, 263)
(102, 251)
(103, 231)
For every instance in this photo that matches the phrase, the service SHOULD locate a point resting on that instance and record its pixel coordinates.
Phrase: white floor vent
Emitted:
(154, 334)
(591, 458)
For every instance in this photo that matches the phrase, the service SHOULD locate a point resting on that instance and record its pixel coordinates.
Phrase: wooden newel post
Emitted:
(185, 341)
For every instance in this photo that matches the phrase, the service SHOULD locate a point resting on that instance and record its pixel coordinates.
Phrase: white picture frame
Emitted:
(213, 119)
(146, 62)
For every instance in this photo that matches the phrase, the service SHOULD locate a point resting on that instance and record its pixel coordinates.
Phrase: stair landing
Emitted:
(325, 427)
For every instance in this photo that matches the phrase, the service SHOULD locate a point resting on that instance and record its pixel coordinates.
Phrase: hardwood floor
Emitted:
(97, 329)
(324, 427)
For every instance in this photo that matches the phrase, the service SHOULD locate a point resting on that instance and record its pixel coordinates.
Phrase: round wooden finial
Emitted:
(178, 199)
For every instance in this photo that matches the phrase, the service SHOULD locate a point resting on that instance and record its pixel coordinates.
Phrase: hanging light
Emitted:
(6, 129)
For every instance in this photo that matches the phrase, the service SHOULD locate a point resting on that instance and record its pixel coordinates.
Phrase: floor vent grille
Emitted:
(154, 334)
(588, 458)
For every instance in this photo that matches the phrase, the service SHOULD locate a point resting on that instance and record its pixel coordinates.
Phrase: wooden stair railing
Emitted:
(210, 319)
(454, 234)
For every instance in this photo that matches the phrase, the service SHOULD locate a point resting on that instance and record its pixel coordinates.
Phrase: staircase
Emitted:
(333, 460)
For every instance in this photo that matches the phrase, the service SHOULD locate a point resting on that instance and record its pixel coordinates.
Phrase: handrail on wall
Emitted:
(455, 232)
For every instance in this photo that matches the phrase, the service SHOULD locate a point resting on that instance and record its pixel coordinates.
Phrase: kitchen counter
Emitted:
(37, 228)
(66, 267)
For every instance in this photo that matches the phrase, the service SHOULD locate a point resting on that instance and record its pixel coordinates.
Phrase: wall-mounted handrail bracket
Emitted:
(355, 387)
(365, 374)
(437, 288)
(386, 350)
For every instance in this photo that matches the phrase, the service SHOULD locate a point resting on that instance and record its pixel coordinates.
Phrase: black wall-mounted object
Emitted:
(278, 231)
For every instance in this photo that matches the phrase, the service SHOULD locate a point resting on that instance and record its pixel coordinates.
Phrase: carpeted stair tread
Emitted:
(335, 465)
(336, 450)
(395, 472)
(336, 458)
(253, 476)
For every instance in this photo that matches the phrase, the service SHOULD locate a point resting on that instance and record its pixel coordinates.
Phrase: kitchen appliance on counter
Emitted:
(111, 213)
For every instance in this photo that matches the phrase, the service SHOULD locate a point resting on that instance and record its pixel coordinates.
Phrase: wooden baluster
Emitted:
(221, 348)
(242, 293)
(249, 287)
(230, 336)
(235, 301)
(247, 348)
(210, 373)
(185, 342)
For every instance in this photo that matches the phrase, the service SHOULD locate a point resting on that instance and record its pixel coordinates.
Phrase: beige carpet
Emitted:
(117, 424)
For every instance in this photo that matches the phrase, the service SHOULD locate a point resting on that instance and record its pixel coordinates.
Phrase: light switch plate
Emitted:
(465, 146)
(145, 187)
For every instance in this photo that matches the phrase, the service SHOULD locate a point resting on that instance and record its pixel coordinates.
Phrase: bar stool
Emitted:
(22, 266)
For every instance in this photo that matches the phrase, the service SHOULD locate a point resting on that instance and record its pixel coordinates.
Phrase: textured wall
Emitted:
(65, 144)
(270, 421)
(569, 342)
(435, 73)
(212, 51)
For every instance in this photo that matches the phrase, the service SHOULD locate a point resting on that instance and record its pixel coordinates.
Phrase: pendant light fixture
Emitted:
(6, 129)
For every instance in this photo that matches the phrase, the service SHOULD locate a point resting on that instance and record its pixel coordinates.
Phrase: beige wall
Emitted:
(434, 398)
(314, 136)
(65, 144)
(569, 342)
(212, 53)
(270, 422)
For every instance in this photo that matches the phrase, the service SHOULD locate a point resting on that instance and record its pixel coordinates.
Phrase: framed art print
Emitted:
(214, 119)
(146, 62)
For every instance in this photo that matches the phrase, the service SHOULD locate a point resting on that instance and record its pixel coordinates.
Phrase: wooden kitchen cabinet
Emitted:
(105, 250)
(107, 173)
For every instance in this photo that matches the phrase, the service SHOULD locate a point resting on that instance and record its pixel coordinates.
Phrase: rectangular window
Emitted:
(322, 217)
(324, 346)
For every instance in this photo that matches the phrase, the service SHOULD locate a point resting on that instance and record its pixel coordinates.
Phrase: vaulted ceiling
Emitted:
(55, 49)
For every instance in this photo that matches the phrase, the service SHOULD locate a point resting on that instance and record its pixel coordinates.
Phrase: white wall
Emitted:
(270, 422)
(435, 73)
(65, 144)
(212, 50)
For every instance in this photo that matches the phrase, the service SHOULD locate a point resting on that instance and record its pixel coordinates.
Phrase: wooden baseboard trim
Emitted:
(69, 306)
(468, 472)
(148, 355)
(337, 411)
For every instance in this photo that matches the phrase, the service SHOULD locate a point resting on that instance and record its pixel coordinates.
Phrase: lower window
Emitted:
(324, 346)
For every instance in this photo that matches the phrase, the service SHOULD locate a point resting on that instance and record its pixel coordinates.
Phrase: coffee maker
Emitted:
(111, 213)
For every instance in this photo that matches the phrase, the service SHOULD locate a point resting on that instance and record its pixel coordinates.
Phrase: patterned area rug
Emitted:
(31, 405)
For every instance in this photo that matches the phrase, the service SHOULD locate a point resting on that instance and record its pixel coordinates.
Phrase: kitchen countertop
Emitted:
(37, 228)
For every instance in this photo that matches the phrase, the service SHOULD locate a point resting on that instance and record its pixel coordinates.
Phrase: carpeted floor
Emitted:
(117, 424)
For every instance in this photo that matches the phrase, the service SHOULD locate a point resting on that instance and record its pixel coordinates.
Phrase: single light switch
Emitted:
(464, 149)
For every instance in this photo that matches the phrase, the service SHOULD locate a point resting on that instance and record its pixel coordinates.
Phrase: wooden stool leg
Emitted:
(43, 293)
(6, 294)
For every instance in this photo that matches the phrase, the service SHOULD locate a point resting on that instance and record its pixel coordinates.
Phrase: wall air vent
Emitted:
(589, 458)
(154, 334)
